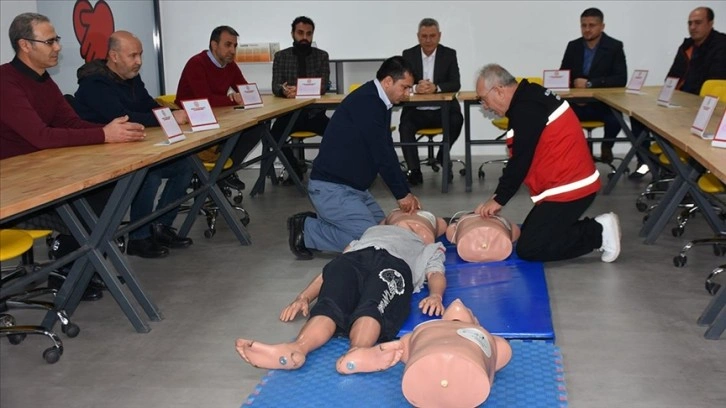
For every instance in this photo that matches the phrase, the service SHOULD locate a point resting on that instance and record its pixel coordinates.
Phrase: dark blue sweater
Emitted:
(103, 96)
(357, 145)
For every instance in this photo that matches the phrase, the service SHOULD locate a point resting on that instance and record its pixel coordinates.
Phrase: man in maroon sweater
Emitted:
(34, 114)
(213, 74)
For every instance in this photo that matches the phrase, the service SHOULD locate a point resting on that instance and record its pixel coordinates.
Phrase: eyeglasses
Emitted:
(481, 99)
(46, 42)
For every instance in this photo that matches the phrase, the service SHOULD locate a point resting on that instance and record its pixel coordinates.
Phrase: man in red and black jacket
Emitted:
(549, 154)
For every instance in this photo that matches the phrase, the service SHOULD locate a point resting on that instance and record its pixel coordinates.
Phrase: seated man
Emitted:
(435, 69)
(36, 116)
(213, 74)
(449, 362)
(111, 88)
(596, 60)
(365, 292)
(480, 239)
(699, 58)
(302, 60)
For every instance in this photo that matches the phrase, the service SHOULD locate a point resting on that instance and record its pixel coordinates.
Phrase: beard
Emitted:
(491, 115)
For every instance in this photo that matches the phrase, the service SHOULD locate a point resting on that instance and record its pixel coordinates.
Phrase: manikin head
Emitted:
(422, 223)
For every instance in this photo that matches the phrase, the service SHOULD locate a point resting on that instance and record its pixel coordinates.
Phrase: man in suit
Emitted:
(435, 69)
(596, 60)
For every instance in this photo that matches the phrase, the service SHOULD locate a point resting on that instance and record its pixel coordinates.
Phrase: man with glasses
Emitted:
(34, 115)
(549, 155)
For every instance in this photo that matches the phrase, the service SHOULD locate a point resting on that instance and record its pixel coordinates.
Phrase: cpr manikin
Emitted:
(480, 239)
(449, 362)
(364, 293)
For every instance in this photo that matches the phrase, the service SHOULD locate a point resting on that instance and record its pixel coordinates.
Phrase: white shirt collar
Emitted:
(214, 60)
(432, 56)
(382, 94)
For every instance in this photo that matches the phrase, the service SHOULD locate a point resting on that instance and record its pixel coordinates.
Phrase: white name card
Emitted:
(666, 93)
(704, 115)
(637, 81)
(200, 114)
(557, 79)
(719, 139)
(251, 97)
(169, 126)
(308, 88)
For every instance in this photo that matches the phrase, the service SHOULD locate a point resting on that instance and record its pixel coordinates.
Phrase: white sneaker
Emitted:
(610, 236)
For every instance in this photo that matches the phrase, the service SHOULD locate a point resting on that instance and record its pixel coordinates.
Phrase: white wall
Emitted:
(524, 36)
(8, 10)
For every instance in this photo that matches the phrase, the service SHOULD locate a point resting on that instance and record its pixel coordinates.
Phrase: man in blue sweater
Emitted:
(356, 147)
(111, 88)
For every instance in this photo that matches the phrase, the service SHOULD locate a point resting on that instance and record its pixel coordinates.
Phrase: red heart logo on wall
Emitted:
(93, 26)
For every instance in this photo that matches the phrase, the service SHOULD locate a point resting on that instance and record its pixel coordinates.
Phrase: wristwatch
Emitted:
(588, 84)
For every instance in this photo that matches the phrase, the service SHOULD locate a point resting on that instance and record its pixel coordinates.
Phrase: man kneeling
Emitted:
(364, 293)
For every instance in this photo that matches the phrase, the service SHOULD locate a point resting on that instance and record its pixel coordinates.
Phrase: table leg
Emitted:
(467, 145)
(714, 316)
(268, 163)
(445, 124)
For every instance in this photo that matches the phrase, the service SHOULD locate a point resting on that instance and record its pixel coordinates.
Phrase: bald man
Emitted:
(110, 88)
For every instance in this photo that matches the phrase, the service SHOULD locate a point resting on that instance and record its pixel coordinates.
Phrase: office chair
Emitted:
(430, 134)
(715, 189)
(19, 243)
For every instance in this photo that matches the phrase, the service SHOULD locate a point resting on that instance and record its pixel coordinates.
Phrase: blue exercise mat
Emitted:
(509, 297)
(533, 378)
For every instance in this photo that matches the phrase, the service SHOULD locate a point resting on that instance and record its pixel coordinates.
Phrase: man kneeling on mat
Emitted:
(364, 293)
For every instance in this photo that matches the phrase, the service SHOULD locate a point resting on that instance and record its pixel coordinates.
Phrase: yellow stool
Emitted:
(14, 243)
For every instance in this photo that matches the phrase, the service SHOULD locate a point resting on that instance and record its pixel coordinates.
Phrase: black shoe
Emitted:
(58, 277)
(640, 171)
(414, 177)
(167, 236)
(146, 248)
(233, 182)
(296, 227)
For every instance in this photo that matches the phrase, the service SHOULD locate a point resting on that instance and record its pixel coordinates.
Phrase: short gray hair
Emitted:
(428, 22)
(495, 75)
(22, 27)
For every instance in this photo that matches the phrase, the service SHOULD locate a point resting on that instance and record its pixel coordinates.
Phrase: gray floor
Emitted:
(627, 330)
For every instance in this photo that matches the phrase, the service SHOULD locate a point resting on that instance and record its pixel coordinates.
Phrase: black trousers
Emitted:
(598, 111)
(369, 282)
(311, 120)
(247, 141)
(553, 231)
(413, 119)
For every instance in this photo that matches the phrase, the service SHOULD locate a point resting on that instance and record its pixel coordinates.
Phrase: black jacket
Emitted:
(707, 62)
(446, 70)
(608, 69)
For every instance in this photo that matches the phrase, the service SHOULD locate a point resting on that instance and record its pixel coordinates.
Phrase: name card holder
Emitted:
(637, 81)
(308, 88)
(168, 124)
(251, 97)
(200, 114)
(666, 93)
(557, 80)
(704, 116)
(719, 139)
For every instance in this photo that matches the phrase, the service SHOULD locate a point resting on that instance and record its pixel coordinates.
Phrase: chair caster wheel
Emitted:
(237, 199)
(209, 233)
(52, 355)
(71, 330)
(677, 231)
(680, 260)
(641, 206)
(711, 286)
(245, 220)
(462, 172)
(16, 339)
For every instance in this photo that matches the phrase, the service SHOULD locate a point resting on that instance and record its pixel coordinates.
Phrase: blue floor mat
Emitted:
(533, 378)
(509, 297)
